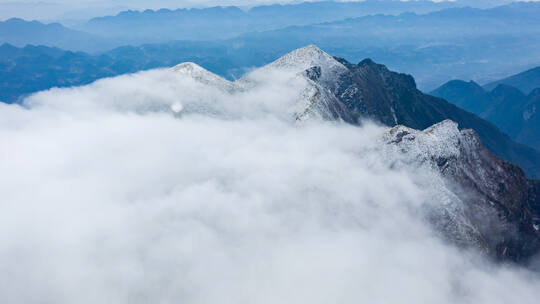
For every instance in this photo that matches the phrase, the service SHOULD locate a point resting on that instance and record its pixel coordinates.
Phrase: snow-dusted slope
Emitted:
(442, 140)
(309, 71)
(434, 151)
(306, 58)
(198, 73)
(294, 63)
(483, 200)
(321, 73)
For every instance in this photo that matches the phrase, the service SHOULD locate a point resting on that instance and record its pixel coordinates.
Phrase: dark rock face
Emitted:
(370, 90)
(501, 207)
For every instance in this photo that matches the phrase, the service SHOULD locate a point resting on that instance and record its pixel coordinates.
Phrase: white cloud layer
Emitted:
(110, 197)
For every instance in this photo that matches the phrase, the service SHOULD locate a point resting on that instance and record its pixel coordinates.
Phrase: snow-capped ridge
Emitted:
(442, 140)
(444, 127)
(191, 68)
(308, 57)
(302, 62)
(200, 74)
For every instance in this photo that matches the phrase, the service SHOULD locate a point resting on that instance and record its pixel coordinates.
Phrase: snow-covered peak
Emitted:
(440, 153)
(300, 60)
(305, 58)
(440, 141)
(190, 68)
(200, 74)
(308, 57)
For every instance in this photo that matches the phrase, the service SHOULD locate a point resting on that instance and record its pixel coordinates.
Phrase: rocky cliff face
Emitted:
(495, 207)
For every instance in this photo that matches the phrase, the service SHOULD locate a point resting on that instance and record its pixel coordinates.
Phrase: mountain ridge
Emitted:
(257, 18)
(506, 106)
(20, 32)
(525, 81)
(486, 185)
(482, 185)
(371, 91)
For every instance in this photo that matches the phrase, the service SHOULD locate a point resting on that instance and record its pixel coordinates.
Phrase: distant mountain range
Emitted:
(205, 24)
(436, 47)
(227, 22)
(73, 12)
(31, 69)
(513, 111)
(20, 33)
(453, 43)
(526, 81)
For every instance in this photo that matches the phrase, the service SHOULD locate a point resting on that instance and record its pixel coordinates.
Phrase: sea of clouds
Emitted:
(157, 188)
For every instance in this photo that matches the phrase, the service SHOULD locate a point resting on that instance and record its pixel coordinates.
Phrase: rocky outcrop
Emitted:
(495, 207)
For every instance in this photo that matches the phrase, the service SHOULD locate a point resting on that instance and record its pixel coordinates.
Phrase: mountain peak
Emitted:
(467, 95)
(308, 57)
(200, 74)
(504, 91)
(310, 49)
(15, 20)
(461, 159)
(525, 81)
(460, 86)
(368, 62)
(441, 140)
(189, 67)
(445, 126)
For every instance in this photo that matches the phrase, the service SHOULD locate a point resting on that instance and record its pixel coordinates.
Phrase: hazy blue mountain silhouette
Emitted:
(525, 81)
(509, 108)
(19, 32)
